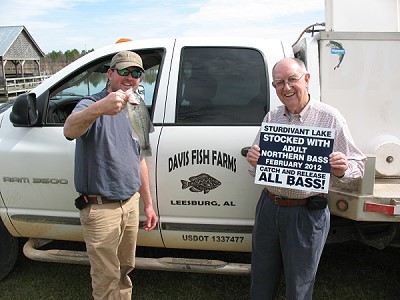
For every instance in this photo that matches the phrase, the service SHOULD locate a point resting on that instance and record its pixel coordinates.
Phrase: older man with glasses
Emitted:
(110, 176)
(289, 234)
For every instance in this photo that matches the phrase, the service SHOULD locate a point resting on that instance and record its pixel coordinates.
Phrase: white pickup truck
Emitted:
(207, 98)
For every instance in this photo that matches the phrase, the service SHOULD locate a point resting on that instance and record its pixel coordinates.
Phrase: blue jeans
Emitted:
(288, 239)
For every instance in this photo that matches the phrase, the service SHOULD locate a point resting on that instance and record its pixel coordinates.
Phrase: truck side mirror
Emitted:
(24, 111)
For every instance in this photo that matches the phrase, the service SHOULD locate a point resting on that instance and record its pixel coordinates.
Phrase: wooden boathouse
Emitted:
(20, 69)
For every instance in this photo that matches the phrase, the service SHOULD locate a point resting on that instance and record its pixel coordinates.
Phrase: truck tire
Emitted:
(9, 248)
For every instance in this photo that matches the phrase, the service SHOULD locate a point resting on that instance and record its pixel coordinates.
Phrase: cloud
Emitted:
(27, 10)
(254, 18)
(220, 11)
(68, 24)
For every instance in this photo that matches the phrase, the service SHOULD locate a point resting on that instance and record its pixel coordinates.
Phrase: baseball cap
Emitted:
(125, 59)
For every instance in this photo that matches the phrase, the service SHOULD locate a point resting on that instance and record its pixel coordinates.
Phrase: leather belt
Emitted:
(287, 202)
(102, 200)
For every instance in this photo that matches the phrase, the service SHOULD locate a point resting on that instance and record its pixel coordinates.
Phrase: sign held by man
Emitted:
(295, 157)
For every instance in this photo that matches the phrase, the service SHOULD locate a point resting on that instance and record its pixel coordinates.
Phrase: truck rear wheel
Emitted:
(9, 248)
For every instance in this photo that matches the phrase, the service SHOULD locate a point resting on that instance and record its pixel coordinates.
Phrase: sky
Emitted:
(62, 25)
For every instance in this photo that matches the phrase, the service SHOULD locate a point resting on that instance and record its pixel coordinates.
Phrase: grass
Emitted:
(346, 271)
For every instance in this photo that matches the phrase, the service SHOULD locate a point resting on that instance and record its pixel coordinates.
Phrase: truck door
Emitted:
(206, 197)
(38, 162)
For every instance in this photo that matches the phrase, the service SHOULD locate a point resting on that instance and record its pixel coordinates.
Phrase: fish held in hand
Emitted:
(140, 119)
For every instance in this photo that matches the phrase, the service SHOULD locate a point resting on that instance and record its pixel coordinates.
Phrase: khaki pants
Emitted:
(110, 233)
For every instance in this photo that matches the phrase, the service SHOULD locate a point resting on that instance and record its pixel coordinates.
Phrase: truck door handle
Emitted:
(245, 150)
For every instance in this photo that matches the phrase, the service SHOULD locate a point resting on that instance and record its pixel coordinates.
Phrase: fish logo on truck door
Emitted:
(201, 183)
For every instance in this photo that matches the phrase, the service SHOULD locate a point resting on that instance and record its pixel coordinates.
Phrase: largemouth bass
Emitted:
(139, 117)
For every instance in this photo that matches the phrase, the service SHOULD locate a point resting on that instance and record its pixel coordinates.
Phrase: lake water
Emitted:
(83, 89)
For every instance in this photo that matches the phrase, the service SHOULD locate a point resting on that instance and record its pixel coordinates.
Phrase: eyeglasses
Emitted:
(125, 72)
(279, 84)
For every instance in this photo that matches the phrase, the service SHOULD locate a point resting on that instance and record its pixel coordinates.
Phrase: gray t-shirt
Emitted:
(107, 158)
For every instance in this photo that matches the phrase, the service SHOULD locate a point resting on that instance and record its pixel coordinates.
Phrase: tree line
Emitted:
(67, 56)
(56, 60)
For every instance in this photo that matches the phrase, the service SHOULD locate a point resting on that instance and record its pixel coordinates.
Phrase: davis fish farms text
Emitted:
(202, 157)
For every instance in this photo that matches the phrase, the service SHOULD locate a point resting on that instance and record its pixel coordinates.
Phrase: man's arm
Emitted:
(151, 217)
(78, 122)
(347, 161)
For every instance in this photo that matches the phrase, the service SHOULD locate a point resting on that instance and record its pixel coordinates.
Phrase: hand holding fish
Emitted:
(113, 103)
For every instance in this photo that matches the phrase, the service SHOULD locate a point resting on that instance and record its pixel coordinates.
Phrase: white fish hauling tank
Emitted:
(139, 117)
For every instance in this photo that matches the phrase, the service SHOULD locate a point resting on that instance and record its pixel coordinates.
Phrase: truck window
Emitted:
(221, 85)
(93, 79)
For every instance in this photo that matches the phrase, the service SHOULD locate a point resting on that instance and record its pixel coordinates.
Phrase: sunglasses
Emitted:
(125, 72)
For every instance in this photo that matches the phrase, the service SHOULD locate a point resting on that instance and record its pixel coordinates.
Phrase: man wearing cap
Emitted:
(111, 177)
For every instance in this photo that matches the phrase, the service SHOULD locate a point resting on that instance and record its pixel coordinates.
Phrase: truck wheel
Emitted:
(9, 248)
